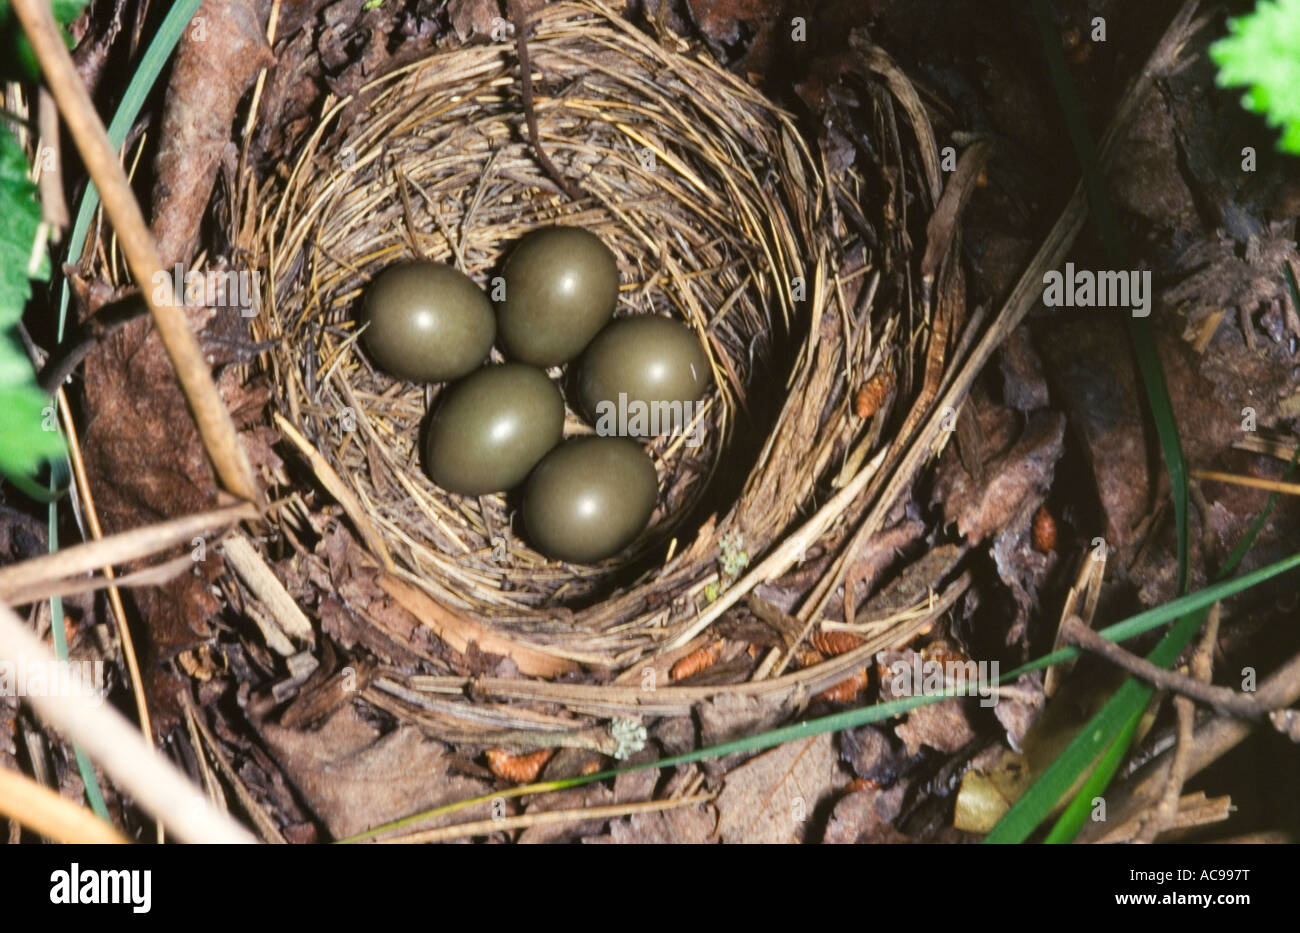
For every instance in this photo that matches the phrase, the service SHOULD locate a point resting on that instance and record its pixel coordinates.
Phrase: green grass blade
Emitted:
(1071, 821)
(1129, 628)
(146, 74)
(1105, 730)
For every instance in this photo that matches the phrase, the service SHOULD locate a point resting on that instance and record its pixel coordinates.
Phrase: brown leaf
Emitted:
(868, 752)
(864, 817)
(944, 726)
(1024, 387)
(731, 716)
(1147, 176)
(1019, 711)
(981, 509)
(727, 24)
(773, 797)
(473, 17)
(1091, 367)
(590, 795)
(146, 463)
(219, 55)
(683, 826)
(355, 778)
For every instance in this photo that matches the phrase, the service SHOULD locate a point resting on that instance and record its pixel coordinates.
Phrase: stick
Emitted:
(1213, 740)
(118, 748)
(1254, 482)
(116, 549)
(55, 817)
(1225, 701)
(545, 818)
(1167, 810)
(87, 131)
(149, 576)
(520, 17)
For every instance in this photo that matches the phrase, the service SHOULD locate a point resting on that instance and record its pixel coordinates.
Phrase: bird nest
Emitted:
(720, 216)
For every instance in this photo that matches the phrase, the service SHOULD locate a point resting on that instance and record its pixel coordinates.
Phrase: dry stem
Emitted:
(87, 130)
(118, 748)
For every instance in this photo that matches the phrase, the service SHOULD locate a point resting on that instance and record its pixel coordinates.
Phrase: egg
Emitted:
(492, 428)
(589, 498)
(561, 285)
(658, 367)
(427, 322)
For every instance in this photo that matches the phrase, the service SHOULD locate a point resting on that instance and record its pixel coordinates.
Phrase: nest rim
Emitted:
(798, 237)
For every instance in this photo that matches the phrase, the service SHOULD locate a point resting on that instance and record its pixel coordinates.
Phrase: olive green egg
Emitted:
(655, 363)
(589, 498)
(561, 285)
(492, 427)
(427, 322)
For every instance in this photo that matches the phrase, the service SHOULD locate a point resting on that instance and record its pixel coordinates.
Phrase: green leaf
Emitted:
(20, 215)
(1262, 51)
(24, 442)
(17, 60)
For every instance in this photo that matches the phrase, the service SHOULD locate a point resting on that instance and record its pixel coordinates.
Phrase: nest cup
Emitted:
(718, 216)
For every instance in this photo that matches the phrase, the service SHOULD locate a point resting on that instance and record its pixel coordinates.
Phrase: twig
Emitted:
(1167, 811)
(124, 636)
(1277, 449)
(334, 485)
(546, 817)
(270, 832)
(53, 816)
(54, 208)
(266, 586)
(1213, 739)
(1254, 482)
(116, 745)
(1081, 601)
(520, 17)
(116, 549)
(150, 576)
(1226, 701)
(215, 427)
(44, 811)
(784, 556)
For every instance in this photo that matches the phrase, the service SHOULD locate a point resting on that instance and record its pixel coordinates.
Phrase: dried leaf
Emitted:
(982, 509)
(773, 797)
(355, 778)
(216, 61)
